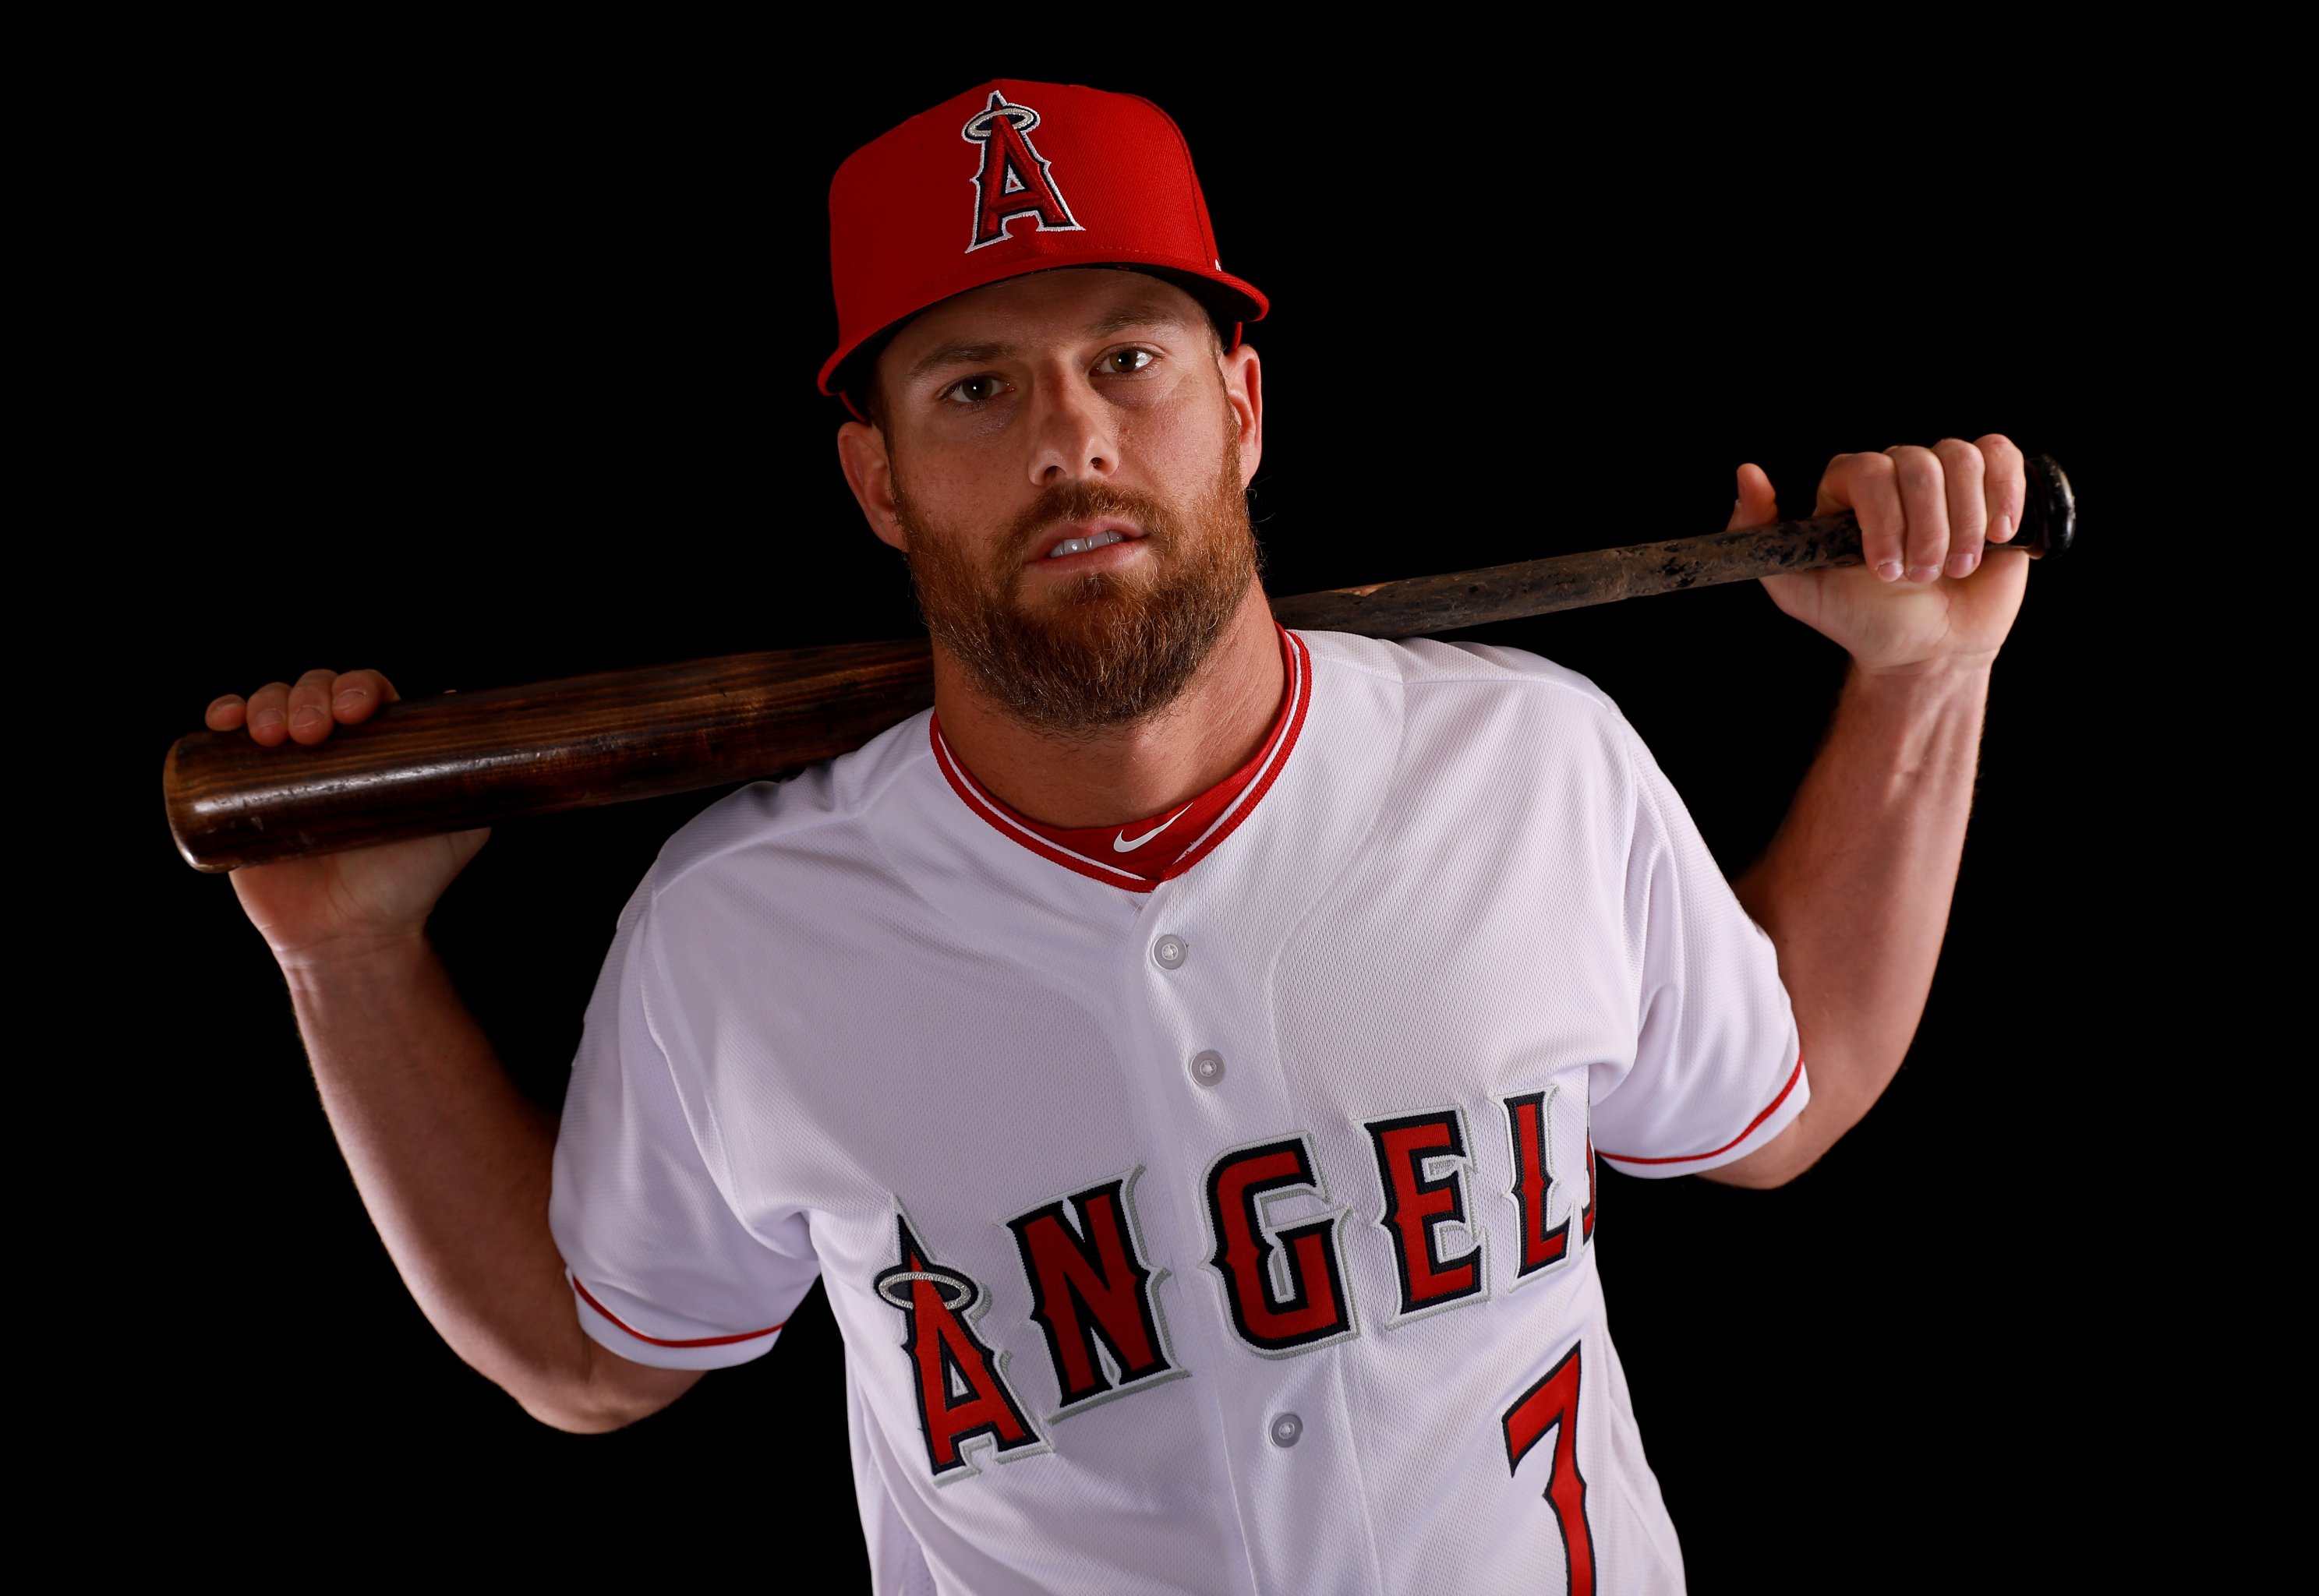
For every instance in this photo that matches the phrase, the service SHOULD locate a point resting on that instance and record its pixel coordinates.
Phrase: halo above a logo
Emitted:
(955, 1292)
(978, 126)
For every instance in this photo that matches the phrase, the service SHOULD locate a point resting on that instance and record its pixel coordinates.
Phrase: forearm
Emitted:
(1854, 888)
(453, 1163)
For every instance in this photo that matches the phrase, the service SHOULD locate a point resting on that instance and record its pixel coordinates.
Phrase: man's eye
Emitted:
(973, 389)
(1122, 361)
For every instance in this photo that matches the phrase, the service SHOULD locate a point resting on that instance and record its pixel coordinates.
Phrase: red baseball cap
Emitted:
(1014, 178)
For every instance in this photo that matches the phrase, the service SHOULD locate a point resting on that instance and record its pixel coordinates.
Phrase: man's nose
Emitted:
(1074, 440)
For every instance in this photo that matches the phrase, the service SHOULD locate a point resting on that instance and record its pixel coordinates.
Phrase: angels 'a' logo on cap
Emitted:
(1014, 180)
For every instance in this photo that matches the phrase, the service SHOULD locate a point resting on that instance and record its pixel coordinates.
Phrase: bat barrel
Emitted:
(433, 765)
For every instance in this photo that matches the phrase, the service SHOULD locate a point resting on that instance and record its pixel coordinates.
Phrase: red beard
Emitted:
(1108, 648)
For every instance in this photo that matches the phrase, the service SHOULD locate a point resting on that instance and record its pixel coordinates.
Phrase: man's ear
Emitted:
(869, 473)
(1243, 378)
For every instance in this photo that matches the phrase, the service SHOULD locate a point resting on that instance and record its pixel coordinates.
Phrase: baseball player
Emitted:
(1186, 1053)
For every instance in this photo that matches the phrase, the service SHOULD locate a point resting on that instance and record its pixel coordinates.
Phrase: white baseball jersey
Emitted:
(1233, 1233)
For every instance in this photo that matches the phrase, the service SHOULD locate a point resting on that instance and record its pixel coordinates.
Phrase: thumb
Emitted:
(1757, 505)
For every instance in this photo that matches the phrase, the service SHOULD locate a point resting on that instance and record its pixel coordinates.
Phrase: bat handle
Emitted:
(2049, 522)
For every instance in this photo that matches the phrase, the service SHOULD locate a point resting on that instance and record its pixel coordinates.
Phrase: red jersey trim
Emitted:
(1300, 689)
(588, 1297)
(1794, 1076)
(963, 785)
(1291, 724)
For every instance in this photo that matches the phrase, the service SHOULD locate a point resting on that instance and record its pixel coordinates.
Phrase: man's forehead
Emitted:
(1043, 307)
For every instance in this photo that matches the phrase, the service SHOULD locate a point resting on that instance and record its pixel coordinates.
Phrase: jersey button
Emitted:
(1169, 951)
(1287, 1429)
(1208, 1068)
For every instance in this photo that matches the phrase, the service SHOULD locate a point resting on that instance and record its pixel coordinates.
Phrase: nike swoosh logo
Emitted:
(1120, 844)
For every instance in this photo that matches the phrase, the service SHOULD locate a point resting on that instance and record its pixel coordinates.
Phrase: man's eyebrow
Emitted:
(957, 354)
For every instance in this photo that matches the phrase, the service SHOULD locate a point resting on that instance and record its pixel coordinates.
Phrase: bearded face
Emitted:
(1105, 649)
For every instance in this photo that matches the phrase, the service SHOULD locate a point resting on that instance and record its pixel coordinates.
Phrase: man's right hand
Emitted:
(339, 903)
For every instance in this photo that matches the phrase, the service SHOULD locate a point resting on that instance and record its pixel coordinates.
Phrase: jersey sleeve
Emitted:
(663, 1270)
(1718, 1071)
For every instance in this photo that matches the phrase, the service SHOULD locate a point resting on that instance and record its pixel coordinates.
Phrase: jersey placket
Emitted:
(1198, 1020)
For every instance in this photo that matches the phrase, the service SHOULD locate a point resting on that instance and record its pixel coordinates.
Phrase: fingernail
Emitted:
(2000, 530)
(349, 699)
(267, 717)
(1961, 563)
(1889, 571)
(1923, 573)
(306, 716)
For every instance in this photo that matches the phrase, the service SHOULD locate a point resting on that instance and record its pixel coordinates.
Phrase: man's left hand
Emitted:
(1926, 595)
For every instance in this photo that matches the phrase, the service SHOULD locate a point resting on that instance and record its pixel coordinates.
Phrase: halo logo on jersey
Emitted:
(1285, 1288)
(1013, 180)
(962, 1385)
(1091, 1294)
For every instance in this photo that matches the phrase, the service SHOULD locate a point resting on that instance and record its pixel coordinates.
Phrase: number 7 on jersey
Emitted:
(1553, 1404)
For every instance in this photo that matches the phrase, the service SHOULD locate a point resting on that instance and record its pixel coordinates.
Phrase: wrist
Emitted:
(381, 955)
(1914, 714)
(1940, 673)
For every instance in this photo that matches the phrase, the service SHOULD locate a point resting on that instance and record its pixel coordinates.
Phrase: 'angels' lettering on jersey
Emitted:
(1092, 1285)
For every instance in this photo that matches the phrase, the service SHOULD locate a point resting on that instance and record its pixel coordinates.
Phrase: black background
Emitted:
(495, 374)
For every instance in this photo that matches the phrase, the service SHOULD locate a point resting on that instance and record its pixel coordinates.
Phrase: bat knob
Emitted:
(2049, 525)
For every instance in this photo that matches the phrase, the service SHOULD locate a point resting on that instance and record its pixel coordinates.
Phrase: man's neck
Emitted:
(1140, 770)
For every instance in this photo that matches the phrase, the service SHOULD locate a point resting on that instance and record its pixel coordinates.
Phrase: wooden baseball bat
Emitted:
(430, 765)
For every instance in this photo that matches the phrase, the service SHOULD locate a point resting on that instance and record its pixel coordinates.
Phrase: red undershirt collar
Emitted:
(1140, 855)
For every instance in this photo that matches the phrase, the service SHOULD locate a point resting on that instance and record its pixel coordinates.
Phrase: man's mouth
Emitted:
(1079, 546)
(1078, 537)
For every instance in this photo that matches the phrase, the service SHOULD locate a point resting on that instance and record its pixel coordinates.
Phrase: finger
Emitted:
(224, 713)
(269, 714)
(1961, 478)
(1924, 501)
(1866, 485)
(360, 694)
(1756, 505)
(2005, 484)
(310, 707)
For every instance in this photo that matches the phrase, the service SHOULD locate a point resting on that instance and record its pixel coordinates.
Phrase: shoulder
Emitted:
(1428, 662)
(1452, 682)
(813, 820)
(1470, 728)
